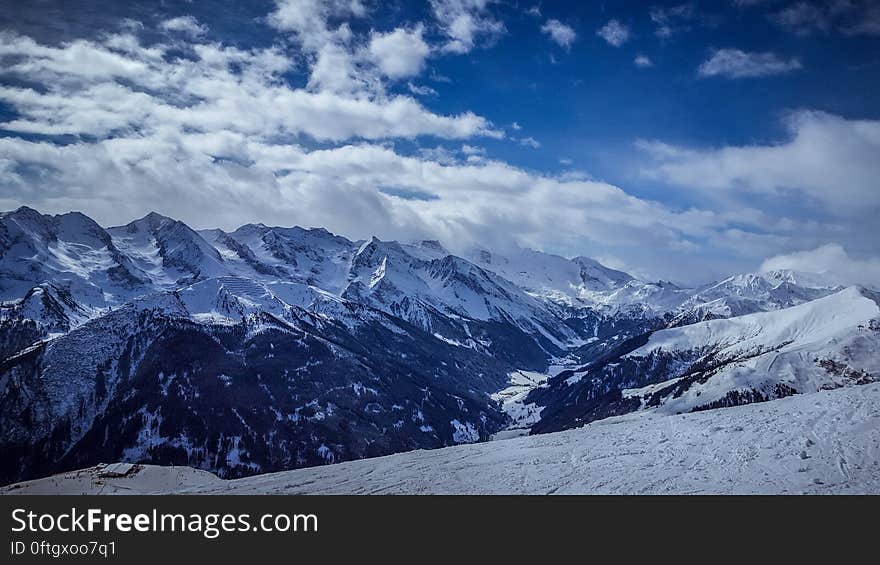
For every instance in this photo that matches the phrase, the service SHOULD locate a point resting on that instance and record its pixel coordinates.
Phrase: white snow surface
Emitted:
(821, 443)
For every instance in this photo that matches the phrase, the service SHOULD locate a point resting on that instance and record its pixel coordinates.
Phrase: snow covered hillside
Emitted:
(822, 443)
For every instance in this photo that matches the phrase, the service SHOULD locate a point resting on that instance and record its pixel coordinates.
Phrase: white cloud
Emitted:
(614, 32)
(486, 201)
(400, 53)
(832, 260)
(734, 63)
(421, 90)
(643, 61)
(184, 24)
(472, 150)
(529, 142)
(308, 19)
(334, 65)
(562, 34)
(828, 159)
(464, 22)
(334, 69)
(91, 90)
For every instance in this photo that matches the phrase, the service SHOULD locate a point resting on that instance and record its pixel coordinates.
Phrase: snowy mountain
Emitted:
(269, 348)
(826, 343)
(567, 281)
(69, 251)
(754, 292)
(168, 250)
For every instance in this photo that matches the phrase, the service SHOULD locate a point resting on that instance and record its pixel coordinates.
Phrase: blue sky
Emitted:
(682, 141)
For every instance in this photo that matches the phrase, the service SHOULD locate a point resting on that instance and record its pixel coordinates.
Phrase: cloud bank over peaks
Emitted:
(832, 260)
(828, 159)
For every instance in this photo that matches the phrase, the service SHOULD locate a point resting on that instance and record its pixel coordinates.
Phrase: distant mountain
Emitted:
(754, 292)
(168, 250)
(69, 251)
(269, 348)
(826, 343)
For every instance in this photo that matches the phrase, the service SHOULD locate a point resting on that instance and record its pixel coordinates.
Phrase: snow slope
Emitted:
(823, 343)
(822, 443)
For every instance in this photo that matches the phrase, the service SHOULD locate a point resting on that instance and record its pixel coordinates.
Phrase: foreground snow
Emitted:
(825, 442)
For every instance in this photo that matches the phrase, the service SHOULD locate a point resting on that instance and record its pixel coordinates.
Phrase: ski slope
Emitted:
(820, 443)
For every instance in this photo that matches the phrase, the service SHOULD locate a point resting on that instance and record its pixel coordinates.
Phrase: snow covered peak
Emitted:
(69, 250)
(756, 292)
(373, 252)
(532, 290)
(168, 250)
(812, 321)
(42, 229)
(594, 272)
(578, 282)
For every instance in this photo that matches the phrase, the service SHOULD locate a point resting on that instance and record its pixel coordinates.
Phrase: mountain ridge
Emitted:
(267, 348)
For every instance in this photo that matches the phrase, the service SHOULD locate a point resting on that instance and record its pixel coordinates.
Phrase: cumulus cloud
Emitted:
(184, 24)
(464, 22)
(562, 34)
(334, 64)
(308, 19)
(614, 32)
(734, 63)
(831, 260)
(400, 53)
(643, 61)
(227, 179)
(92, 89)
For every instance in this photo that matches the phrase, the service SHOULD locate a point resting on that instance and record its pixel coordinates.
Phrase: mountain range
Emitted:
(273, 348)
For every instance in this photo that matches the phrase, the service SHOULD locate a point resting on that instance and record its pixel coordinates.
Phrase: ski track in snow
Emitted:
(821, 443)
